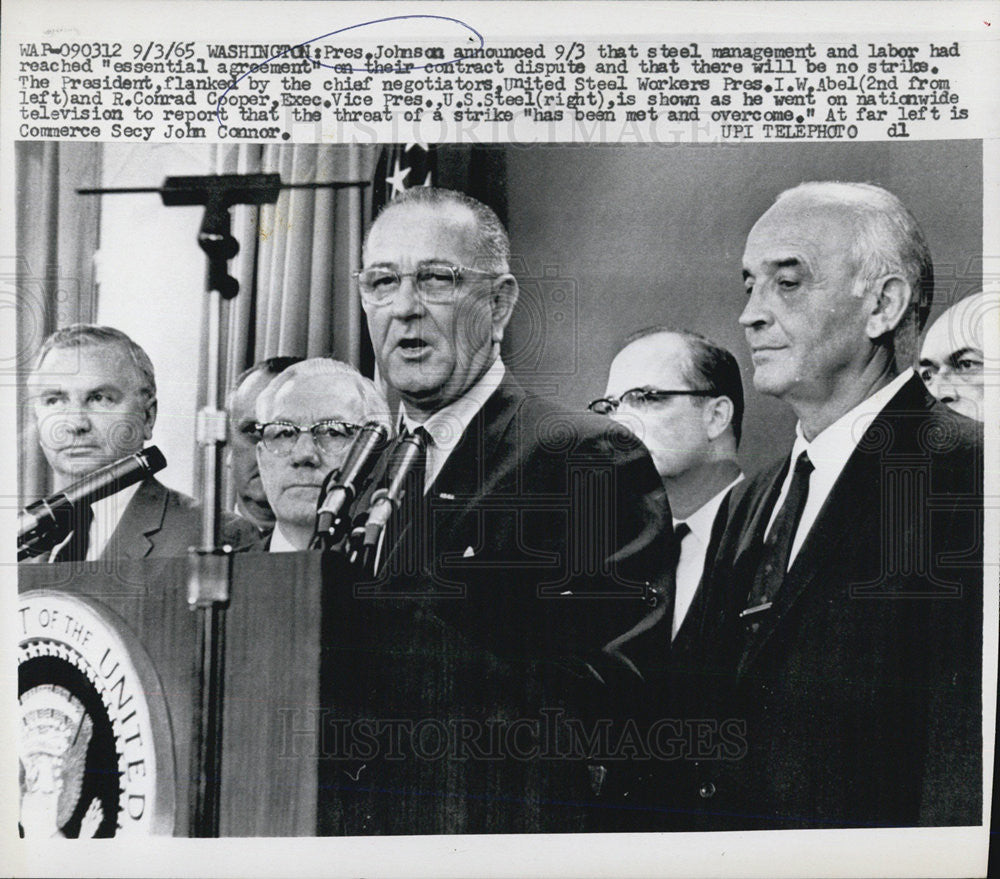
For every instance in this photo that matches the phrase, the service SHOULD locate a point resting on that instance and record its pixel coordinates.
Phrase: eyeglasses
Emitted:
(280, 437)
(249, 430)
(637, 398)
(436, 283)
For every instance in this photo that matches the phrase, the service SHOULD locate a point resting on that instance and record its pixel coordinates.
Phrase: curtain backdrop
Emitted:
(295, 261)
(57, 235)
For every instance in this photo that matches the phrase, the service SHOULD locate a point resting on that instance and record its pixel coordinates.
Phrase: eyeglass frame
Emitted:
(299, 430)
(649, 395)
(456, 270)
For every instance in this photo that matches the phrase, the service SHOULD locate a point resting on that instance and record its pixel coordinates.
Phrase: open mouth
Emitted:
(413, 347)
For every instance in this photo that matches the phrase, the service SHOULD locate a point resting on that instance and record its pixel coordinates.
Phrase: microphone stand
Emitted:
(210, 565)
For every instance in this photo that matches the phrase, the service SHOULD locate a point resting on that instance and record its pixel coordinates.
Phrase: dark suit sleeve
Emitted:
(586, 569)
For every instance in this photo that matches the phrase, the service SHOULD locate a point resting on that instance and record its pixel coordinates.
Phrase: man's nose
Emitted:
(944, 387)
(76, 419)
(304, 453)
(755, 312)
(407, 302)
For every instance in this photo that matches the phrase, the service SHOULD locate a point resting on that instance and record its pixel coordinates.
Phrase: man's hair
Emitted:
(887, 240)
(94, 336)
(270, 366)
(492, 242)
(373, 403)
(710, 367)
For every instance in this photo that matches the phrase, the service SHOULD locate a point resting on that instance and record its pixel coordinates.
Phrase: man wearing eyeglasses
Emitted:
(531, 575)
(307, 417)
(683, 397)
(251, 501)
(952, 361)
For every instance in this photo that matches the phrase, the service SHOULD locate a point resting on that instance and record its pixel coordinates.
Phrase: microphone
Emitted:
(344, 484)
(41, 525)
(407, 458)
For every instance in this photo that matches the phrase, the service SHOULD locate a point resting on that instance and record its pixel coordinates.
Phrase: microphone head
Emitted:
(154, 459)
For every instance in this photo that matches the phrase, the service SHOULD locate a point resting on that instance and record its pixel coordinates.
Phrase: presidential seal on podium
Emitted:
(94, 740)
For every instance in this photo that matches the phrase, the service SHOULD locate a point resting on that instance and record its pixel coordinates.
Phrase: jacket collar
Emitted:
(140, 522)
(841, 518)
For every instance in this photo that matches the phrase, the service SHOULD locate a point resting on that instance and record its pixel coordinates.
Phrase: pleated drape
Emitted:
(57, 234)
(296, 258)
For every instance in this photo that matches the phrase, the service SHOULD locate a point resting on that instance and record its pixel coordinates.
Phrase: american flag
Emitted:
(401, 167)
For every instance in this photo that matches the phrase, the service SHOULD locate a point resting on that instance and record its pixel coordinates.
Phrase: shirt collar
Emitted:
(830, 449)
(701, 520)
(280, 543)
(114, 504)
(108, 514)
(447, 425)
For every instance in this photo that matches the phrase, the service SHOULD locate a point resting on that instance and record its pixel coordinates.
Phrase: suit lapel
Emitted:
(751, 537)
(840, 518)
(692, 627)
(141, 520)
(468, 467)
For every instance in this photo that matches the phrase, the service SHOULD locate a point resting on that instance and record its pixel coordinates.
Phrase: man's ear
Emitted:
(891, 296)
(149, 419)
(503, 298)
(717, 414)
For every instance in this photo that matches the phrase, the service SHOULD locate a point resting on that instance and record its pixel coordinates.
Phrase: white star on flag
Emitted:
(396, 180)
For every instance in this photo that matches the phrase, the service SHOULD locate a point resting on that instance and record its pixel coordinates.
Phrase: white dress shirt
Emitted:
(828, 452)
(447, 425)
(694, 546)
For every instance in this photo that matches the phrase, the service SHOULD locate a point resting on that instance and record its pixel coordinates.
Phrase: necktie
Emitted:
(778, 543)
(681, 531)
(75, 549)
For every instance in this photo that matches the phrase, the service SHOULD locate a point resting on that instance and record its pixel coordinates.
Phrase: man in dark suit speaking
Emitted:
(525, 584)
(845, 615)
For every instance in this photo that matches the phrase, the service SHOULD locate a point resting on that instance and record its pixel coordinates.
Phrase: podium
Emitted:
(271, 684)
(344, 712)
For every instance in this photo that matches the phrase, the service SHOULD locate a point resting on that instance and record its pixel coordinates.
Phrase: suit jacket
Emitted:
(685, 643)
(856, 699)
(527, 597)
(162, 523)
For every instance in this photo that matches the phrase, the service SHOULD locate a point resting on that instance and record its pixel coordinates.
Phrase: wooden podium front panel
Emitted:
(271, 676)
(150, 597)
(270, 744)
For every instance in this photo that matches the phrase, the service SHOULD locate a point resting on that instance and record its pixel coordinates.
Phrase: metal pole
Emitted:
(210, 569)
(354, 241)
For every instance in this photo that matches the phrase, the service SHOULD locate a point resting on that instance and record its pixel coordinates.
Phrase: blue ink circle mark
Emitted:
(236, 82)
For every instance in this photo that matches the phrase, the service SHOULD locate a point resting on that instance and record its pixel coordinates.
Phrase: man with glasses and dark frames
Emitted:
(307, 417)
(682, 396)
(532, 574)
(241, 451)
